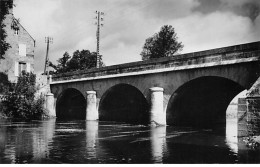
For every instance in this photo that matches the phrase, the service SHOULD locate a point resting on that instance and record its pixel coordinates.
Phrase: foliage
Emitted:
(252, 142)
(5, 5)
(21, 102)
(162, 44)
(79, 61)
(62, 63)
(15, 24)
(4, 83)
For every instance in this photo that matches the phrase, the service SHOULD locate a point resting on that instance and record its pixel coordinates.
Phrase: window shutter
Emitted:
(22, 49)
(16, 69)
(28, 67)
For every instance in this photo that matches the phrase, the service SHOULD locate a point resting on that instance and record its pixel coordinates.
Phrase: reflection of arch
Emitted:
(124, 103)
(202, 102)
(71, 104)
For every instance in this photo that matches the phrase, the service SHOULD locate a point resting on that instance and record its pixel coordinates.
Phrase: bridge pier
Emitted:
(91, 110)
(49, 105)
(157, 114)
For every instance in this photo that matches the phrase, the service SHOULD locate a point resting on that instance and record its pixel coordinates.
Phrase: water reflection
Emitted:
(4, 137)
(23, 142)
(3, 134)
(231, 135)
(158, 143)
(91, 138)
(42, 137)
(52, 141)
(232, 125)
(18, 148)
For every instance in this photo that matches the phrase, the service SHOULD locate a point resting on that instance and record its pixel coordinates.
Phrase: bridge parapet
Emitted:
(214, 57)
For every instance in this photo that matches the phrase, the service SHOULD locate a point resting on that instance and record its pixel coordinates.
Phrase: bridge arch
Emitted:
(124, 103)
(202, 102)
(71, 104)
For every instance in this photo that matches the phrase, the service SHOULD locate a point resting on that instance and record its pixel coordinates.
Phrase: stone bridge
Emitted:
(192, 89)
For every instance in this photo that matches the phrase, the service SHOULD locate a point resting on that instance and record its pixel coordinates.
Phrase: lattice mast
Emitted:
(100, 19)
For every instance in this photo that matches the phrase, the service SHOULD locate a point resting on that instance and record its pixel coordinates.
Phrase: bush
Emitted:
(4, 83)
(4, 87)
(20, 102)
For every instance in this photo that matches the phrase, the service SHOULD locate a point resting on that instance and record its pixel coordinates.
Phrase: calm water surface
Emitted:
(53, 141)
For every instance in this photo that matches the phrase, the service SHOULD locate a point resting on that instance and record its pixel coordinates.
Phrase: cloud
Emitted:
(121, 54)
(199, 24)
(207, 6)
(36, 17)
(247, 8)
(169, 9)
(218, 29)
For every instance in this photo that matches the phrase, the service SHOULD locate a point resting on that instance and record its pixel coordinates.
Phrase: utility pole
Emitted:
(48, 40)
(99, 19)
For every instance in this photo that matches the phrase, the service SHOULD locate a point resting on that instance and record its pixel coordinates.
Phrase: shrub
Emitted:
(4, 83)
(20, 102)
(4, 87)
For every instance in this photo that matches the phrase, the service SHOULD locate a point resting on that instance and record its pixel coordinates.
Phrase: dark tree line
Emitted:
(80, 60)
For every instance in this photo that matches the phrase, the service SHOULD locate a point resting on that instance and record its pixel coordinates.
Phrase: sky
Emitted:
(199, 24)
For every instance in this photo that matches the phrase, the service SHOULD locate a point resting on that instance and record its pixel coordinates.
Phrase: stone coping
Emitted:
(214, 55)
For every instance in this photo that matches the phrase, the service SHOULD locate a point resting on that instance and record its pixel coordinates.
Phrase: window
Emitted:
(16, 69)
(16, 32)
(22, 67)
(22, 49)
(28, 67)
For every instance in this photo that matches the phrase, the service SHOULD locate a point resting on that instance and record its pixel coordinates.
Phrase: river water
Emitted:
(53, 141)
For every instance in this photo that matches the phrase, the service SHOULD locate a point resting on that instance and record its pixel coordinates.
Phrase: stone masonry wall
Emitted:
(253, 109)
(42, 87)
(242, 117)
(253, 116)
(11, 56)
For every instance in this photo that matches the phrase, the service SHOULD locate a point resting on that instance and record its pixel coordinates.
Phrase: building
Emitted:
(20, 56)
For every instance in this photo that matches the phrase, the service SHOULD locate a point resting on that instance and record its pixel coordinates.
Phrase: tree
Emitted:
(62, 63)
(5, 5)
(162, 44)
(80, 60)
